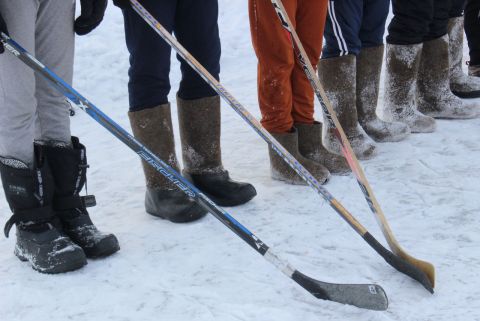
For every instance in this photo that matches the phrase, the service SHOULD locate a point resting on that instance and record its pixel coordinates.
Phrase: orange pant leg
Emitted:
(276, 62)
(310, 18)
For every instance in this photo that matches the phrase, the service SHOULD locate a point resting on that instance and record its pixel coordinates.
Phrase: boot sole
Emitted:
(467, 95)
(69, 266)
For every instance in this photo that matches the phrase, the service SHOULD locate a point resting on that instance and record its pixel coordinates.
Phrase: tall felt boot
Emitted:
(369, 66)
(461, 84)
(29, 192)
(68, 165)
(435, 98)
(402, 66)
(281, 171)
(199, 121)
(338, 77)
(310, 146)
(153, 128)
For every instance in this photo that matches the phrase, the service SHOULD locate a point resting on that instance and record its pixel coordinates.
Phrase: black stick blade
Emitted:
(399, 264)
(365, 296)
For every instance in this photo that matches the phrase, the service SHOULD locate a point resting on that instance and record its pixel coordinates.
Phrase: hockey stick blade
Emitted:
(399, 264)
(365, 296)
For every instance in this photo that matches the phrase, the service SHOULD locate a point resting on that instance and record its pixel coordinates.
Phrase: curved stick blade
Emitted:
(365, 296)
(399, 263)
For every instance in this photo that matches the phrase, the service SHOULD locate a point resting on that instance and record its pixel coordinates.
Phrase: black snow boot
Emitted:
(153, 128)
(199, 121)
(68, 165)
(29, 194)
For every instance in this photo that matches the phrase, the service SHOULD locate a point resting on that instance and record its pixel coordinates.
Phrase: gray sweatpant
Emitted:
(30, 108)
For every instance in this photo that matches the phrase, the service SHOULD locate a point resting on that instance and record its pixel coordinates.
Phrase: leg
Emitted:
(434, 95)
(17, 84)
(54, 46)
(275, 64)
(26, 177)
(149, 82)
(404, 47)
(310, 19)
(369, 65)
(149, 115)
(196, 28)
(199, 106)
(410, 23)
(342, 28)
(338, 75)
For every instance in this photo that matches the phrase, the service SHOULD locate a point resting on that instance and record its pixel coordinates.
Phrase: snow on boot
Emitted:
(310, 146)
(199, 121)
(434, 96)
(29, 194)
(153, 128)
(68, 165)
(369, 66)
(474, 70)
(338, 77)
(461, 84)
(281, 171)
(402, 66)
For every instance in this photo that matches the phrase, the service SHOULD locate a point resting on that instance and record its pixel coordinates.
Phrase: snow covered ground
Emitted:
(427, 185)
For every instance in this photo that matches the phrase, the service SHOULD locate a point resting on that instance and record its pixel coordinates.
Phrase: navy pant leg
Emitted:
(149, 82)
(196, 28)
(411, 21)
(375, 13)
(456, 8)
(342, 28)
(439, 25)
(472, 30)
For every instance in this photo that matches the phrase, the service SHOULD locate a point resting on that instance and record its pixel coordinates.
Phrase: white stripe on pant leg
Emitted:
(340, 37)
(335, 32)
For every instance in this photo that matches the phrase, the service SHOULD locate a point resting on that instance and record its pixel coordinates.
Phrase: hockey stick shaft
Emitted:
(368, 296)
(278, 148)
(427, 268)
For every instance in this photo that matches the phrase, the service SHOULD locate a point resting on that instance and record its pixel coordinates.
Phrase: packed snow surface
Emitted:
(428, 186)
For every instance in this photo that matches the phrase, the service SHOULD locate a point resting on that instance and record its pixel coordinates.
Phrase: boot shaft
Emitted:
(68, 166)
(338, 77)
(369, 66)
(29, 192)
(27, 188)
(200, 123)
(434, 68)
(153, 128)
(455, 38)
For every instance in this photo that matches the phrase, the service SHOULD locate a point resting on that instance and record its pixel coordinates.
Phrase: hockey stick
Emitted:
(395, 261)
(367, 296)
(427, 268)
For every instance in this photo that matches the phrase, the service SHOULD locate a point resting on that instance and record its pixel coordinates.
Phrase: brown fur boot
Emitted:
(281, 171)
(339, 81)
(369, 66)
(402, 65)
(199, 121)
(310, 146)
(153, 128)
